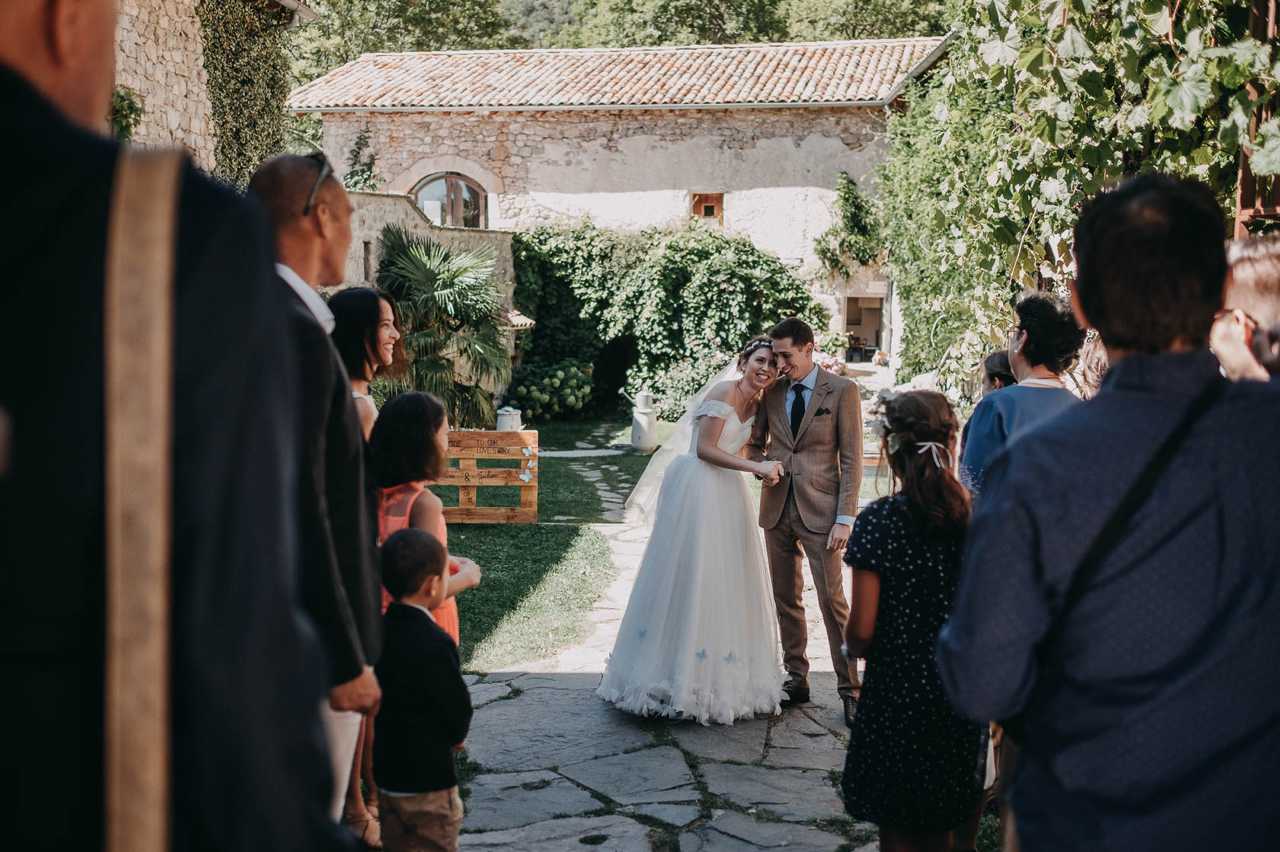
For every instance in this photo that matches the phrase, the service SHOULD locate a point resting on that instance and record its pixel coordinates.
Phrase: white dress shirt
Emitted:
(808, 383)
(309, 297)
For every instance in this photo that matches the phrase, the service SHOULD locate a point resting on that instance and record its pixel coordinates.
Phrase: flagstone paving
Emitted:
(551, 767)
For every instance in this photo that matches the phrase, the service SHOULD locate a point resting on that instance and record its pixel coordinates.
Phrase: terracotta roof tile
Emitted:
(818, 74)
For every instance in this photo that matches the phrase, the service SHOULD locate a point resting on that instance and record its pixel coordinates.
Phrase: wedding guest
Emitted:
(912, 760)
(426, 709)
(1042, 346)
(1093, 367)
(338, 580)
(366, 337)
(407, 452)
(247, 759)
(1251, 304)
(996, 374)
(1118, 604)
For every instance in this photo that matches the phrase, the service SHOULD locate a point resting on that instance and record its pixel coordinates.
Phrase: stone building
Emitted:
(750, 138)
(160, 57)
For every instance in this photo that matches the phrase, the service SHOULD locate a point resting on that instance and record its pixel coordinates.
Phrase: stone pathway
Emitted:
(551, 767)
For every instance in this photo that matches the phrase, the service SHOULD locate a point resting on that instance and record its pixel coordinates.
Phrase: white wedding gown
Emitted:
(699, 639)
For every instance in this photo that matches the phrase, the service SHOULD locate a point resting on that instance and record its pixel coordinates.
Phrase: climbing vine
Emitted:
(248, 69)
(126, 113)
(854, 237)
(362, 166)
(1038, 105)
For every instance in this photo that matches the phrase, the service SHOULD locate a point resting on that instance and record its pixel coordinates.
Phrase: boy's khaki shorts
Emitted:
(427, 822)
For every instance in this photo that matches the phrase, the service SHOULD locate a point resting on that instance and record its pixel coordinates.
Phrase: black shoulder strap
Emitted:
(1137, 495)
(1114, 528)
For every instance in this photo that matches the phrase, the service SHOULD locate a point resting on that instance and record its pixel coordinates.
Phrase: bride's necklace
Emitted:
(741, 393)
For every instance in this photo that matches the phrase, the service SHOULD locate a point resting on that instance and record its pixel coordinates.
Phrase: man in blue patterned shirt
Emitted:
(1148, 707)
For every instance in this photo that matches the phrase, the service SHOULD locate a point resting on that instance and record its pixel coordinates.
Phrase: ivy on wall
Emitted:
(126, 113)
(854, 237)
(244, 56)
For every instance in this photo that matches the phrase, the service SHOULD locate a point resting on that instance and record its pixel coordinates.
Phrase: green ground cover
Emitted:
(540, 581)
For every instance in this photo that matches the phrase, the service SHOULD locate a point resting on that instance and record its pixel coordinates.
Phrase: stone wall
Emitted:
(160, 55)
(777, 168)
(375, 210)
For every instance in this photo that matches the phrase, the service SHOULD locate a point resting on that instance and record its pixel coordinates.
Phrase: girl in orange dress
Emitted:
(407, 452)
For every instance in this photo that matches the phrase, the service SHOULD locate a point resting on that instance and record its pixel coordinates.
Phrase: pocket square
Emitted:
(822, 412)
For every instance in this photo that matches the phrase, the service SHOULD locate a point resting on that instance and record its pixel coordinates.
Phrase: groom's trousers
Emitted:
(784, 544)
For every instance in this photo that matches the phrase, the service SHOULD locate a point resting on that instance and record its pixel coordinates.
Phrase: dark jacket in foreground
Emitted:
(1153, 721)
(249, 765)
(340, 585)
(426, 709)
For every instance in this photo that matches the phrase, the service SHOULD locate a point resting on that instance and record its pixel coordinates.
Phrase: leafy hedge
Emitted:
(686, 297)
(561, 390)
(1036, 107)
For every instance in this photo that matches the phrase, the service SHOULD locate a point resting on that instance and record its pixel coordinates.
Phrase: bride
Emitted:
(700, 637)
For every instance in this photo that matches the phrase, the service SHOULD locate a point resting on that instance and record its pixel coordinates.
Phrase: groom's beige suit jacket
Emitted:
(823, 460)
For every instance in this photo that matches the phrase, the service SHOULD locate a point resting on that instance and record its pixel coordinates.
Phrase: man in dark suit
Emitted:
(311, 216)
(248, 760)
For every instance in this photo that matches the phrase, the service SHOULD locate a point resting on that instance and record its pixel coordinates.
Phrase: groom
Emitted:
(812, 424)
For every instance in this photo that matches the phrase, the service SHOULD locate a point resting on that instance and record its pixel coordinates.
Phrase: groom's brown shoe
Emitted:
(796, 690)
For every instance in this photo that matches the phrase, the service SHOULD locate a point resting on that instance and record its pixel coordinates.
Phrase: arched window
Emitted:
(452, 199)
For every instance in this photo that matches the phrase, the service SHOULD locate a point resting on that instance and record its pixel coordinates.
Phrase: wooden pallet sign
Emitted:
(468, 447)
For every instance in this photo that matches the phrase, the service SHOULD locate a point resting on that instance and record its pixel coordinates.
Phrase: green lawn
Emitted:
(539, 584)
(540, 581)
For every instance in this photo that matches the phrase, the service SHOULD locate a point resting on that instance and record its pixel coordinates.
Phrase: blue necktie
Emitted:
(797, 409)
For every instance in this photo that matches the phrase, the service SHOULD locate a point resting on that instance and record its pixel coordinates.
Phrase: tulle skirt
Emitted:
(699, 639)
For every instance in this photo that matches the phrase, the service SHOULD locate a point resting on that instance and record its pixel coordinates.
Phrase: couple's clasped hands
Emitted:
(770, 472)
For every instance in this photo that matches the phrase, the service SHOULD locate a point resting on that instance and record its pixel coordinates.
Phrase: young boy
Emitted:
(426, 708)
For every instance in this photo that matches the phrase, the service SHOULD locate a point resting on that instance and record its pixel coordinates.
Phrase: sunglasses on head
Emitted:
(326, 170)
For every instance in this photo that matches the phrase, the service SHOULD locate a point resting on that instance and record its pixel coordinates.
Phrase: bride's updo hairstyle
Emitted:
(760, 341)
(918, 430)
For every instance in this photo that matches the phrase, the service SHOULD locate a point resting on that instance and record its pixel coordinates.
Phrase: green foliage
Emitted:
(555, 391)
(362, 166)
(687, 297)
(823, 20)
(348, 28)
(248, 72)
(453, 332)
(1038, 106)
(549, 23)
(126, 113)
(546, 261)
(854, 237)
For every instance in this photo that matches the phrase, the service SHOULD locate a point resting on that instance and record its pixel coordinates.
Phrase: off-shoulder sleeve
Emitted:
(713, 408)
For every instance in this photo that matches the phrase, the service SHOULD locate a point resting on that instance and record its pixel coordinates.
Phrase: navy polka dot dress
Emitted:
(914, 765)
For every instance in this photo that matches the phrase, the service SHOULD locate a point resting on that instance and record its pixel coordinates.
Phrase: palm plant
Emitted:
(450, 311)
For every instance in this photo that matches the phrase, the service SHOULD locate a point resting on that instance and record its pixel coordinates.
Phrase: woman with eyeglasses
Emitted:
(1245, 336)
(1042, 346)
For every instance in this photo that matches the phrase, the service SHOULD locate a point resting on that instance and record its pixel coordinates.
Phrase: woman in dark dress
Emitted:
(914, 765)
